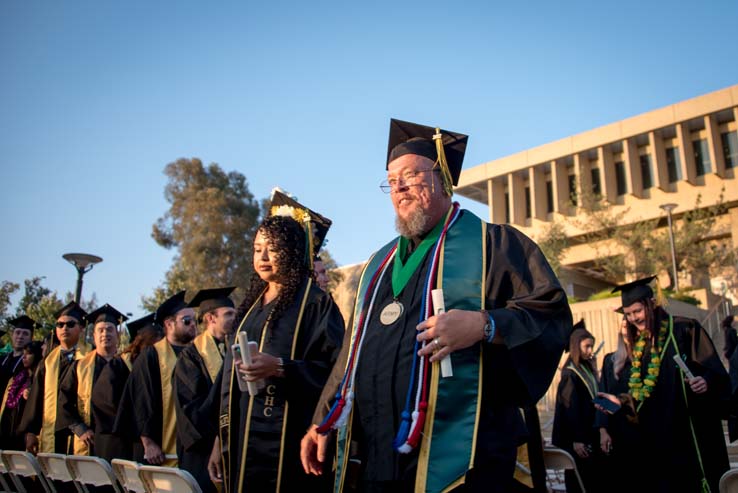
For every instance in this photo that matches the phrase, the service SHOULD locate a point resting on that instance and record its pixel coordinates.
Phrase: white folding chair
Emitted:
(92, 471)
(4, 486)
(127, 473)
(24, 465)
(168, 479)
(55, 468)
(729, 481)
(556, 459)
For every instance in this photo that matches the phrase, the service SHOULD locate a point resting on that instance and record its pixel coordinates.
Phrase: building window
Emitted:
(596, 184)
(507, 207)
(527, 203)
(730, 149)
(573, 189)
(549, 197)
(620, 178)
(646, 176)
(702, 157)
(673, 165)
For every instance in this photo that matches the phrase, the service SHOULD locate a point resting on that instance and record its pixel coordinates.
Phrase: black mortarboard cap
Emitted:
(24, 322)
(284, 205)
(170, 307)
(633, 291)
(411, 138)
(210, 299)
(106, 313)
(72, 309)
(145, 322)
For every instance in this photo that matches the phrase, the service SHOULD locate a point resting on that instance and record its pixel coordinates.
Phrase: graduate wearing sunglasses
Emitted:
(39, 416)
(147, 407)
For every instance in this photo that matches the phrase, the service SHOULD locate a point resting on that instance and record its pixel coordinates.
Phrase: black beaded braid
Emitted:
(287, 238)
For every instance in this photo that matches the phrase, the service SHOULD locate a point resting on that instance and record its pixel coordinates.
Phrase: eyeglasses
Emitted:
(407, 179)
(69, 324)
(187, 320)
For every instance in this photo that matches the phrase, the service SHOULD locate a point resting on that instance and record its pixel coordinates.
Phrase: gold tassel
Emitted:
(660, 298)
(445, 173)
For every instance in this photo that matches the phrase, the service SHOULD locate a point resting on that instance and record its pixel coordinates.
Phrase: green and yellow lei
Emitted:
(641, 388)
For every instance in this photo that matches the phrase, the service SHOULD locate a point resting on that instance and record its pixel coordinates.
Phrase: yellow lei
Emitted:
(641, 388)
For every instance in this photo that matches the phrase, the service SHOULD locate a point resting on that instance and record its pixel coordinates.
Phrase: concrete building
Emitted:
(669, 155)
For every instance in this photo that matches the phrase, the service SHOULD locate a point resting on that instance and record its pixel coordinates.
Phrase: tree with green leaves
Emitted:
(210, 224)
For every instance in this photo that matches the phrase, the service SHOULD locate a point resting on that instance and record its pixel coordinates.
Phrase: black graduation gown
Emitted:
(140, 412)
(33, 413)
(10, 366)
(623, 434)
(197, 404)
(574, 421)
(67, 414)
(531, 312)
(10, 437)
(666, 450)
(107, 393)
(317, 346)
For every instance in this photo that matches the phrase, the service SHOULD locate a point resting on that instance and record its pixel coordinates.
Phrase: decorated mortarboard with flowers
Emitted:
(443, 147)
(316, 225)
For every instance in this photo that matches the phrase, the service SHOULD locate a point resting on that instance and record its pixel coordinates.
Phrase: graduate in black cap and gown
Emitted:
(77, 386)
(39, 417)
(681, 445)
(20, 336)
(506, 325)
(15, 396)
(108, 390)
(298, 330)
(147, 407)
(197, 382)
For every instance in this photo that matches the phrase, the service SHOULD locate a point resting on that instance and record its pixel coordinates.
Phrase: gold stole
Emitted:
(126, 357)
(51, 395)
(206, 346)
(5, 395)
(85, 375)
(167, 360)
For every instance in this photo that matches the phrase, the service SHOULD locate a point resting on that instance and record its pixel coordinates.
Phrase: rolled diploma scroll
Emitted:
(679, 361)
(439, 306)
(243, 342)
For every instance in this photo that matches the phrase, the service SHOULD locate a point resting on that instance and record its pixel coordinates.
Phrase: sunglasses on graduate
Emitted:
(68, 324)
(187, 320)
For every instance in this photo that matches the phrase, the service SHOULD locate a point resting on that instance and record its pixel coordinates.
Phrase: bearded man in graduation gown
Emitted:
(505, 328)
(147, 408)
(20, 336)
(75, 392)
(40, 414)
(197, 382)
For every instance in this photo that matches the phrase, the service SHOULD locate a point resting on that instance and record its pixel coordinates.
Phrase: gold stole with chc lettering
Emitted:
(167, 360)
(85, 375)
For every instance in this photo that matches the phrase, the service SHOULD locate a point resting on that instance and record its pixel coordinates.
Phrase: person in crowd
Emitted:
(21, 334)
(499, 342)
(39, 417)
(76, 390)
(147, 407)
(197, 383)
(574, 417)
(297, 330)
(107, 393)
(678, 413)
(14, 399)
(320, 274)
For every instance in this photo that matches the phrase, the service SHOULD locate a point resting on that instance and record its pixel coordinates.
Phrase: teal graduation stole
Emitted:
(449, 437)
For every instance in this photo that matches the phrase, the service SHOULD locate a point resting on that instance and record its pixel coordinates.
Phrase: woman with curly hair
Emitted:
(298, 330)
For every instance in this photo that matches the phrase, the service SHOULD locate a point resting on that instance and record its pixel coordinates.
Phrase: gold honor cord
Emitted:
(445, 173)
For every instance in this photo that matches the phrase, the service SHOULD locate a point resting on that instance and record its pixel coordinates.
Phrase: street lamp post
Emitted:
(83, 262)
(668, 208)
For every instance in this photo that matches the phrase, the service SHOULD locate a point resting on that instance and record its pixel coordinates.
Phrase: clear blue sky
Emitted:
(96, 97)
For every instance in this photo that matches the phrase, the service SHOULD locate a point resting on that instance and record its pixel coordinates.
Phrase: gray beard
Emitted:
(414, 227)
